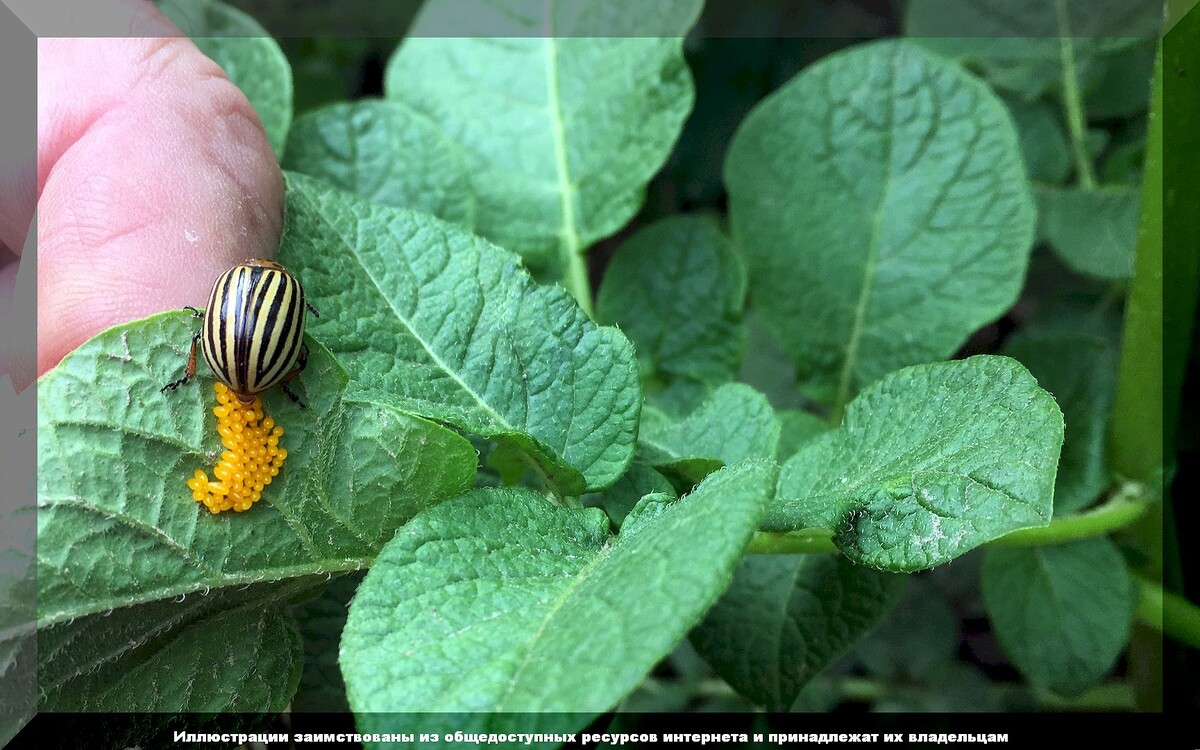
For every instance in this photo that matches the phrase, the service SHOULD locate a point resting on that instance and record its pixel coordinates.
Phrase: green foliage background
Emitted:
(658, 373)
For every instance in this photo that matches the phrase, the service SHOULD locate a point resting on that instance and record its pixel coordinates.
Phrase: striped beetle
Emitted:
(253, 332)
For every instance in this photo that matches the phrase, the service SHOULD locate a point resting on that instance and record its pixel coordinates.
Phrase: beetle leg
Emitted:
(301, 363)
(312, 309)
(295, 399)
(190, 371)
(195, 313)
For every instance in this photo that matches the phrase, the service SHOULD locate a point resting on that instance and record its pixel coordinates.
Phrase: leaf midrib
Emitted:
(569, 233)
(568, 591)
(850, 362)
(499, 420)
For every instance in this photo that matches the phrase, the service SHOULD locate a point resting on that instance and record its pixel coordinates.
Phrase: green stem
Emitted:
(863, 689)
(1137, 440)
(804, 541)
(1168, 613)
(576, 280)
(1140, 442)
(1126, 506)
(1072, 99)
(572, 255)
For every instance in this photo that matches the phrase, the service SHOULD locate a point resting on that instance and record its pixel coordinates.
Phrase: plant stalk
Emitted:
(1125, 506)
(1168, 613)
(1073, 99)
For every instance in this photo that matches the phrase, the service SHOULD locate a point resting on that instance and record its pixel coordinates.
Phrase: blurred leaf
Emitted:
(785, 618)
(321, 620)
(796, 430)
(1021, 30)
(1093, 231)
(1080, 370)
(386, 153)
(1017, 47)
(956, 688)
(1062, 613)
(1124, 162)
(679, 397)
(1043, 141)
(618, 500)
(919, 636)
(561, 126)
(1123, 89)
(676, 290)
(767, 367)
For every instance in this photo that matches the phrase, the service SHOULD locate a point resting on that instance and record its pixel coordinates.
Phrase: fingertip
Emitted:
(158, 194)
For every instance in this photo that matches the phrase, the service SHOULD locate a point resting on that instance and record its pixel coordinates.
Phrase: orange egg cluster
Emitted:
(251, 460)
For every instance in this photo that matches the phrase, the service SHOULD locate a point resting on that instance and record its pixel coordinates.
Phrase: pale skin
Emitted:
(153, 176)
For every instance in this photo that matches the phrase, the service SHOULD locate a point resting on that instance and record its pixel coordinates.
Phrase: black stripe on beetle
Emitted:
(253, 332)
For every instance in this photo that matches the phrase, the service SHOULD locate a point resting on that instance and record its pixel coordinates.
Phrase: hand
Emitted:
(153, 176)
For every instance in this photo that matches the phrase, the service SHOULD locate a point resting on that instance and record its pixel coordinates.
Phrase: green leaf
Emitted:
(114, 455)
(230, 650)
(563, 122)
(797, 429)
(441, 323)
(386, 153)
(497, 601)
(618, 500)
(734, 424)
(252, 60)
(1043, 141)
(785, 618)
(1020, 47)
(882, 207)
(1080, 370)
(1062, 301)
(321, 621)
(956, 688)
(679, 397)
(1123, 164)
(1093, 231)
(1123, 89)
(677, 290)
(1061, 613)
(928, 463)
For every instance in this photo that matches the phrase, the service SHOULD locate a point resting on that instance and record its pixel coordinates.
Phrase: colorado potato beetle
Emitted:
(253, 331)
